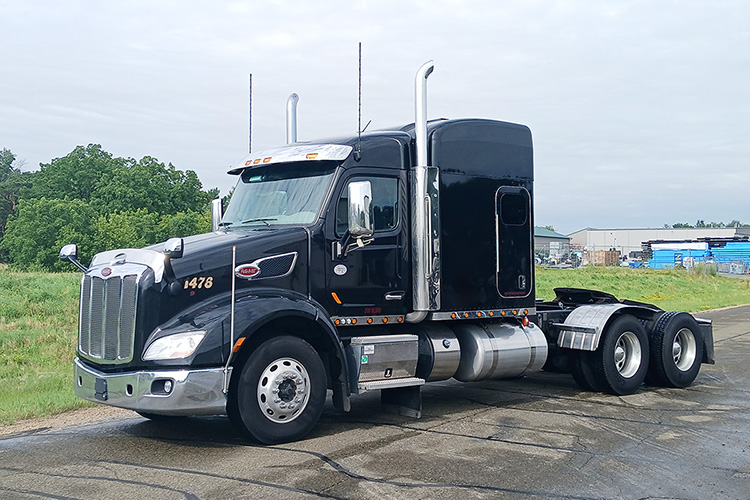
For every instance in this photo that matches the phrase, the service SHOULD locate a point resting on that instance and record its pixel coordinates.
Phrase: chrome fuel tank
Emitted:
(499, 350)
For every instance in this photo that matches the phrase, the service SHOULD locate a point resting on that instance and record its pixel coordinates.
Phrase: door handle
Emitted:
(394, 295)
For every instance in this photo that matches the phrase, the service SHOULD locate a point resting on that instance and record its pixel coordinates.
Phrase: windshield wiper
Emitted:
(260, 219)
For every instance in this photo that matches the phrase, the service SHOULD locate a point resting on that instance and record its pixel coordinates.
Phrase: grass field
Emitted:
(38, 329)
(38, 323)
(669, 289)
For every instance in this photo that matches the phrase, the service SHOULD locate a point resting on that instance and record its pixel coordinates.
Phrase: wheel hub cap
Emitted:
(684, 349)
(676, 351)
(627, 354)
(283, 390)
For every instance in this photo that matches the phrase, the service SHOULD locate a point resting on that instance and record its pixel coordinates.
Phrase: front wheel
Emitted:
(279, 392)
(622, 357)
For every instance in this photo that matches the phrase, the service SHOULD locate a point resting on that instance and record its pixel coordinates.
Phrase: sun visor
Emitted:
(293, 153)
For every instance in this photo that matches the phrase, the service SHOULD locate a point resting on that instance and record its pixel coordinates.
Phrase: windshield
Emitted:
(290, 193)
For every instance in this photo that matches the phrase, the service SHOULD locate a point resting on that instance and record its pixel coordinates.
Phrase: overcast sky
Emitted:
(640, 110)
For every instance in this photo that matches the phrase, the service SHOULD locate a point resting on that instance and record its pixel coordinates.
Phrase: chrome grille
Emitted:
(107, 318)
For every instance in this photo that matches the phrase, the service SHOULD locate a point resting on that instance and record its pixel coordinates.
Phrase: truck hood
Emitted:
(213, 251)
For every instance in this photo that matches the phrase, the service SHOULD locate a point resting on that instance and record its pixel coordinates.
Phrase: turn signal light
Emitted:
(239, 342)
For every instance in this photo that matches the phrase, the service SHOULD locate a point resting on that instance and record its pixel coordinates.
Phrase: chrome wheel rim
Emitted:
(283, 390)
(627, 354)
(684, 349)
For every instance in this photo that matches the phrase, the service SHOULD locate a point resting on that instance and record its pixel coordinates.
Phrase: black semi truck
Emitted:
(379, 261)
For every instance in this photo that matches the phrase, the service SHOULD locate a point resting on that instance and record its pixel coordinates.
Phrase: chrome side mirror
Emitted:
(69, 253)
(216, 213)
(360, 215)
(173, 248)
(360, 209)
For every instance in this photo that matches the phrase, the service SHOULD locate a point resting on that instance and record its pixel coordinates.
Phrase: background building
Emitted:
(631, 240)
(551, 246)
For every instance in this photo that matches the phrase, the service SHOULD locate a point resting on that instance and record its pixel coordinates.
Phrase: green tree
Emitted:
(184, 224)
(126, 230)
(6, 163)
(12, 181)
(76, 176)
(111, 203)
(151, 185)
(40, 227)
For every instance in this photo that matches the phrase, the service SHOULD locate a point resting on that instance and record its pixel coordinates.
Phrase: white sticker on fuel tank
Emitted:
(340, 270)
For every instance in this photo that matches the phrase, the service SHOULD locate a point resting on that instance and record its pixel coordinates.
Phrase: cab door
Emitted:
(370, 279)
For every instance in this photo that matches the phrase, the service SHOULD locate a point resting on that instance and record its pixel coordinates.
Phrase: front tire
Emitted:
(622, 357)
(279, 392)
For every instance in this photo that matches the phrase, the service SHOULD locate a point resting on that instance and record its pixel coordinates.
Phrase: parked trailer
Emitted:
(380, 261)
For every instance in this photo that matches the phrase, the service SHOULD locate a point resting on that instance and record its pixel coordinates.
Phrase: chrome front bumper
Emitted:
(192, 392)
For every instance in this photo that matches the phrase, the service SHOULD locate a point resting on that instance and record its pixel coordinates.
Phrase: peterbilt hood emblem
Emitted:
(246, 271)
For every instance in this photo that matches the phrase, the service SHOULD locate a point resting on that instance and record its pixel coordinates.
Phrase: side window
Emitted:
(384, 204)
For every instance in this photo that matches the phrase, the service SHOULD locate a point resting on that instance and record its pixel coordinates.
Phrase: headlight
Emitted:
(177, 346)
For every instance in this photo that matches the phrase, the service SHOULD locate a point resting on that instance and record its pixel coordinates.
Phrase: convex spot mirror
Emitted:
(69, 252)
(173, 248)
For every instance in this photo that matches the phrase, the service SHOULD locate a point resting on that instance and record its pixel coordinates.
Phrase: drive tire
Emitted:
(621, 360)
(584, 373)
(676, 350)
(291, 367)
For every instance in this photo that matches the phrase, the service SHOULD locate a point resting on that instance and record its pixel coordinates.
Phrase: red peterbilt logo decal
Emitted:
(246, 271)
(106, 272)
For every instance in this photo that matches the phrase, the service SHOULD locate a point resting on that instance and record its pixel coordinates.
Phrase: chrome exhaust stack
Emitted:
(291, 118)
(425, 211)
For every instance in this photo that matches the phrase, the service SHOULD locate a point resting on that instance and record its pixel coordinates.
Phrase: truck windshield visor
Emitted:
(280, 194)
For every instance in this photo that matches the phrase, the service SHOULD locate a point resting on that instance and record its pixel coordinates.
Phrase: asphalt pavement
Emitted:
(536, 437)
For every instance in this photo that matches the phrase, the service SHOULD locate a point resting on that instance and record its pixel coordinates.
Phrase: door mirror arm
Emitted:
(349, 243)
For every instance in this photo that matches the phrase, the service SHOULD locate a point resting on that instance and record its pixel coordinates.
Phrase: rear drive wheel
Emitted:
(676, 350)
(621, 361)
(582, 369)
(279, 391)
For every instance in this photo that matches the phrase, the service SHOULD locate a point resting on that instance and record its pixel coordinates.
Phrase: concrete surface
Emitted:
(538, 437)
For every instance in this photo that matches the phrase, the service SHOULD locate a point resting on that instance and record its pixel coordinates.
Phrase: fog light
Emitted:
(162, 387)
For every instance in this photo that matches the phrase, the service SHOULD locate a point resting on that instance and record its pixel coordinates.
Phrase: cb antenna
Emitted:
(250, 119)
(358, 150)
